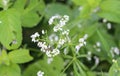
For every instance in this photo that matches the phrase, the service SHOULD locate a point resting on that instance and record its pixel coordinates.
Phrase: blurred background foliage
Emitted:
(100, 19)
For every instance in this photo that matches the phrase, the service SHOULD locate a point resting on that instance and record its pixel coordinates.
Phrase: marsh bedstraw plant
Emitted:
(51, 45)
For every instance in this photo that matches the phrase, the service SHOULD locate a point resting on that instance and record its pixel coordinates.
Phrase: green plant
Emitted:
(74, 38)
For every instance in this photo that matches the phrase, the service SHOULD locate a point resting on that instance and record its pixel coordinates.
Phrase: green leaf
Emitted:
(52, 69)
(61, 9)
(10, 29)
(31, 11)
(110, 10)
(115, 68)
(20, 56)
(79, 2)
(107, 42)
(11, 70)
(4, 58)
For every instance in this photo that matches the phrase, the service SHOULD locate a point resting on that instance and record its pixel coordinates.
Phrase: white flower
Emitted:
(40, 73)
(61, 41)
(65, 51)
(96, 60)
(53, 37)
(57, 28)
(104, 20)
(80, 8)
(48, 53)
(51, 20)
(5, 2)
(55, 52)
(34, 36)
(89, 55)
(49, 60)
(66, 18)
(43, 46)
(43, 32)
(98, 44)
(85, 36)
(109, 26)
(77, 48)
(65, 32)
(82, 42)
(116, 51)
(98, 49)
(52, 53)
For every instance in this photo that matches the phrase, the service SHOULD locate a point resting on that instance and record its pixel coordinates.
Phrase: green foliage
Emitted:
(10, 29)
(109, 9)
(52, 69)
(99, 19)
(20, 56)
(11, 70)
(61, 9)
(115, 68)
(4, 58)
(31, 11)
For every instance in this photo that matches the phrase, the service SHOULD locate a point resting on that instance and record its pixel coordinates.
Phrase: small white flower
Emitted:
(109, 26)
(57, 28)
(34, 36)
(114, 61)
(89, 55)
(98, 49)
(49, 60)
(66, 18)
(43, 32)
(5, 2)
(51, 20)
(98, 44)
(85, 36)
(53, 37)
(116, 51)
(77, 48)
(55, 52)
(96, 60)
(104, 20)
(66, 32)
(48, 53)
(80, 8)
(40, 73)
(65, 51)
(61, 41)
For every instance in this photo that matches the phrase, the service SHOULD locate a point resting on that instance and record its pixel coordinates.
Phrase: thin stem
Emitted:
(68, 65)
(81, 56)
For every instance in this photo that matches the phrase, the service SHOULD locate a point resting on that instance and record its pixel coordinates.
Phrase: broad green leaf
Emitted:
(20, 56)
(79, 2)
(61, 9)
(31, 11)
(11, 70)
(4, 58)
(10, 29)
(52, 69)
(106, 41)
(109, 9)
(115, 68)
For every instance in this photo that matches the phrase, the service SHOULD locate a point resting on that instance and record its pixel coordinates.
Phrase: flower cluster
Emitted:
(61, 22)
(40, 73)
(44, 45)
(97, 46)
(54, 42)
(114, 51)
(82, 42)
